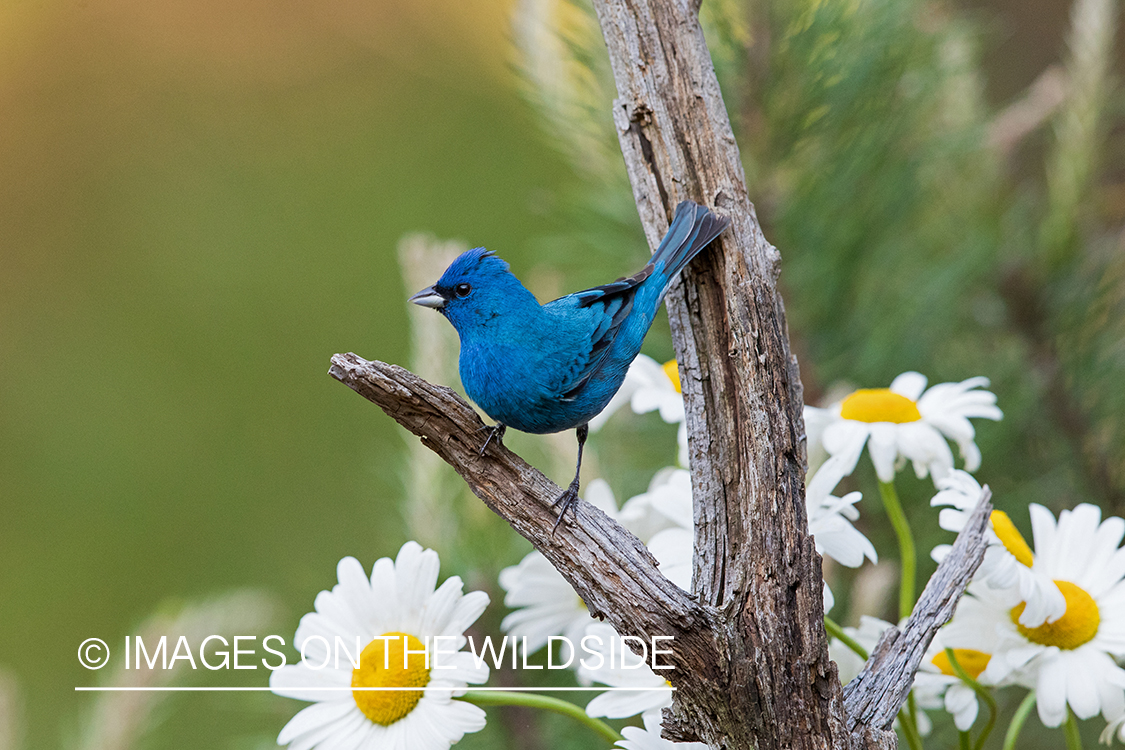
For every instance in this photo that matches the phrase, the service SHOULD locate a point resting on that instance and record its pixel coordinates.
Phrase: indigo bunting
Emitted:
(547, 368)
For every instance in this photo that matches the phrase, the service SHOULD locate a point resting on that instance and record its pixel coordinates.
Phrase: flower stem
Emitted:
(908, 722)
(1073, 737)
(838, 633)
(981, 692)
(905, 547)
(547, 703)
(966, 741)
(1017, 721)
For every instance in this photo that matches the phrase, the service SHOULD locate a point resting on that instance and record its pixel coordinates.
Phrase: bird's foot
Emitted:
(567, 499)
(495, 432)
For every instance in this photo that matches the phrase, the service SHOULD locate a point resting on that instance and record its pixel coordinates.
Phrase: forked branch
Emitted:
(874, 697)
(619, 580)
(609, 567)
(752, 667)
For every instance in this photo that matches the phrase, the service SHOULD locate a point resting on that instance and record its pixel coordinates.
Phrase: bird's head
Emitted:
(476, 289)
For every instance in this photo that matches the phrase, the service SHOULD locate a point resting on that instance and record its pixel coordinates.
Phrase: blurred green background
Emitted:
(200, 202)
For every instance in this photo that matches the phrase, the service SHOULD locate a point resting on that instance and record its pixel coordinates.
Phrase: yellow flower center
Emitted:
(972, 661)
(879, 405)
(672, 370)
(380, 666)
(1078, 625)
(1011, 537)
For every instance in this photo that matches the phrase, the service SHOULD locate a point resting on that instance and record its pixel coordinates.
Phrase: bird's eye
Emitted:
(462, 290)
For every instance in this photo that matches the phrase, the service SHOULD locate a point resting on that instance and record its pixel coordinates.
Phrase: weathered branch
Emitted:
(754, 561)
(618, 578)
(751, 651)
(874, 697)
(609, 567)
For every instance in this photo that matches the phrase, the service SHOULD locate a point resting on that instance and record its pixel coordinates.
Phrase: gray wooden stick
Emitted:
(619, 580)
(875, 696)
(752, 667)
(755, 562)
(609, 567)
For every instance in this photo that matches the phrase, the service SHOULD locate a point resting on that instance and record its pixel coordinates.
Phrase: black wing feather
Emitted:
(600, 345)
(692, 229)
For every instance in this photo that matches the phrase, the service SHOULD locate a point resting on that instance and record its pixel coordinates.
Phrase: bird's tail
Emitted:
(692, 228)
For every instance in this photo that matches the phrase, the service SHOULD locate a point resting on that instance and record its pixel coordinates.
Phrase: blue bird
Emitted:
(553, 367)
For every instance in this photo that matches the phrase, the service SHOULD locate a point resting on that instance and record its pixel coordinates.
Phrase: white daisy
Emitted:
(544, 603)
(936, 684)
(1069, 662)
(659, 390)
(649, 738)
(674, 550)
(829, 598)
(665, 515)
(666, 505)
(397, 608)
(903, 423)
(1008, 561)
(1115, 728)
(816, 420)
(601, 639)
(830, 519)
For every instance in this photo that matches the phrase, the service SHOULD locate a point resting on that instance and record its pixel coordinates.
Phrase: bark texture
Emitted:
(619, 580)
(755, 563)
(875, 696)
(609, 567)
(752, 667)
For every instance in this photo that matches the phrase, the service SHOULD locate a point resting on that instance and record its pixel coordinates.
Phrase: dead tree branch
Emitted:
(875, 696)
(754, 560)
(609, 567)
(752, 667)
(617, 577)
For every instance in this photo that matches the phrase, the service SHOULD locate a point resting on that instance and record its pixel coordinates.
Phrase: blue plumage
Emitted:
(546, 368)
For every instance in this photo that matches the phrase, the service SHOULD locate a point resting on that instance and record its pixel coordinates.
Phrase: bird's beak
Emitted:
(428, 297)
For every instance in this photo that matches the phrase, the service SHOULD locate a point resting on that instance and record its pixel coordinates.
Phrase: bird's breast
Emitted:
(517, 384)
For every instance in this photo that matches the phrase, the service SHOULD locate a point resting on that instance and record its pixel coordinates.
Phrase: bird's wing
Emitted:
(613, 288)
(615, 301)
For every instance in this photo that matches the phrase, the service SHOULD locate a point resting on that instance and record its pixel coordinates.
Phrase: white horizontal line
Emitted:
(182, 689)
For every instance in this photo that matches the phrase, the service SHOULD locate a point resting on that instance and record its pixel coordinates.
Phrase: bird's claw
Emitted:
(494, 432)
(567, 499)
